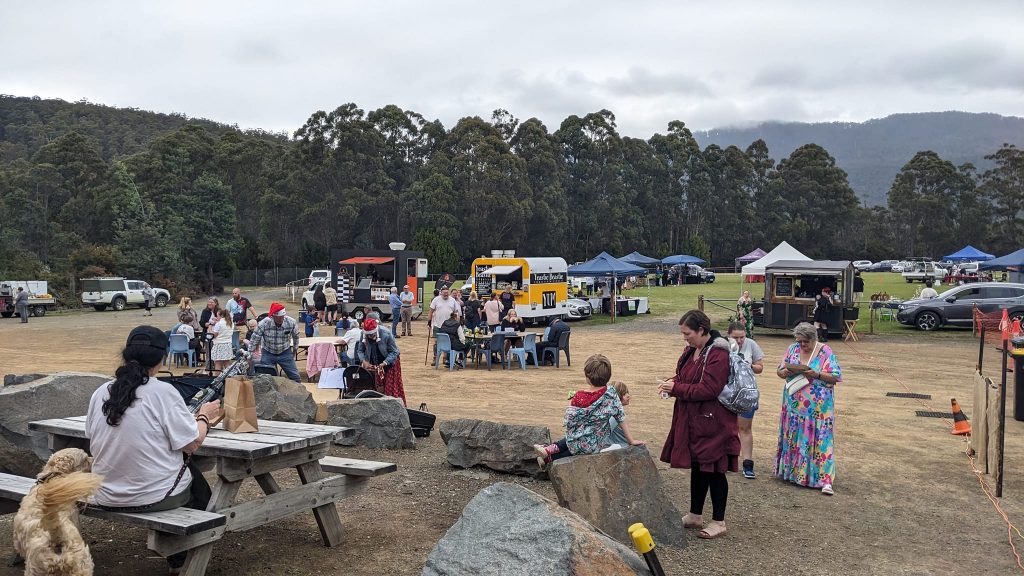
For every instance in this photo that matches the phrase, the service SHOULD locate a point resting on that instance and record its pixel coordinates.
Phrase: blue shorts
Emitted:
(750, 415)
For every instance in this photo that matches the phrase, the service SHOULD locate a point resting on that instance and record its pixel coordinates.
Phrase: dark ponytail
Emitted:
(138, 361)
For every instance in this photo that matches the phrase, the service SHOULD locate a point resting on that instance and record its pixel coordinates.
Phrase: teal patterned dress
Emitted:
(745, 314)
(807, 424)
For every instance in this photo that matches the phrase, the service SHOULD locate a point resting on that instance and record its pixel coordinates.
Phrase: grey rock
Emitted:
(283, 400)
(507, 530)
(56, 396)
(613, 490)
(501, 447)
(15, 379)
(379, 422)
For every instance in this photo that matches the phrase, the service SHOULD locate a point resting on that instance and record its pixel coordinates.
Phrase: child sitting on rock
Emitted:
(618, 437)
(588, 417)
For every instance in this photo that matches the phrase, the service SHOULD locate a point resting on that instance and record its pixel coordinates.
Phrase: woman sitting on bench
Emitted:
(139, 431)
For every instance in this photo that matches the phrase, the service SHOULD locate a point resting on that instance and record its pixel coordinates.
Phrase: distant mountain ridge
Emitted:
(873, 152)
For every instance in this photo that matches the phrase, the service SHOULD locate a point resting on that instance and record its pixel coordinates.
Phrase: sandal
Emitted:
(714, 530)
(827, 490)
(690, 524)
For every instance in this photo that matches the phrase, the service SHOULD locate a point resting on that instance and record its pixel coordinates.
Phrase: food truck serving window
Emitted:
(498, 271)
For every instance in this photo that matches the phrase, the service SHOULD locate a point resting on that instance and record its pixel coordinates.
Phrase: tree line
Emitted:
(191, 204)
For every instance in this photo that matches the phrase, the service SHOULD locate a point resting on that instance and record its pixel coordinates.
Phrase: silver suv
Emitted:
(956, 305)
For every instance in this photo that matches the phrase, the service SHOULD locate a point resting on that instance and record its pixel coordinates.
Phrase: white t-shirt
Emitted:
(351, 338)
(223, 333)
(140, 457)
(443, 310)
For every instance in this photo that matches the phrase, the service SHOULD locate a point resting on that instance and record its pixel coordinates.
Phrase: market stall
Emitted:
(604, 265)
(791, 285)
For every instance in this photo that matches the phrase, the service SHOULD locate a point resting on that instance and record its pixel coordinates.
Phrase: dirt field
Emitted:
(906, 499)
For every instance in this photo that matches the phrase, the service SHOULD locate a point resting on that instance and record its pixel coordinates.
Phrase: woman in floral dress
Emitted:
(807, 423)
(745, 312)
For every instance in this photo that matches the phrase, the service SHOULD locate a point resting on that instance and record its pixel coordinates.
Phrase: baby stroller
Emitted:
(357, 379)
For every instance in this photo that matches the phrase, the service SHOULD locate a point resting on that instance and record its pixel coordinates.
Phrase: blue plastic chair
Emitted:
(444, 346)
(496, 345)
(563, 345)
(236, 340)
(178, 346)
(529, 347)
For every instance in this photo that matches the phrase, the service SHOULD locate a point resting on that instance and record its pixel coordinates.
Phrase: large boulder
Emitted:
(283, 400)
(615, 489)
(13, 379)
(507, 530)
(501, 447)
(56, 396)
(379, 422)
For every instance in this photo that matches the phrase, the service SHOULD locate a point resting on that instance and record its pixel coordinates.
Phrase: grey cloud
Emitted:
(642, 82)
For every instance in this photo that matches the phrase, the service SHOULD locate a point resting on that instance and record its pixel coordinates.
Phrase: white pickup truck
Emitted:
(117, 293)
(923, 271)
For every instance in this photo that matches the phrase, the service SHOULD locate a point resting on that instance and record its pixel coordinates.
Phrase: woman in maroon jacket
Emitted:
(703, 436)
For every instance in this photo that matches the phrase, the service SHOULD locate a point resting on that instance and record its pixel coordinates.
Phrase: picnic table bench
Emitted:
(235, 457)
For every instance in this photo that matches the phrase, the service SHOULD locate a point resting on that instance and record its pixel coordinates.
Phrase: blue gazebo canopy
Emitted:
(639, 259)
(968, 254)
(1014, 259)
(682, 259)
(604, 264)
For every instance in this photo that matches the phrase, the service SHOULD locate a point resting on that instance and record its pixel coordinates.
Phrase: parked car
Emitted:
(955, 306)
(318, 275)
(579, 309)
(882, 266)
(706, 275)
(862, 264)
(923, 272)
(117, 293)
(899, 267)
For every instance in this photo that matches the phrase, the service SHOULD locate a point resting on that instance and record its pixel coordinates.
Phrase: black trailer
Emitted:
(365, 277)
(791, 285)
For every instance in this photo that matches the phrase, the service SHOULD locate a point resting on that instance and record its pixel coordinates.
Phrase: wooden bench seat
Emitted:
(179, 522)
(350, 467)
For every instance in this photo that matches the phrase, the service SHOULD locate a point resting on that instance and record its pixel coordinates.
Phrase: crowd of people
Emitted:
(704, 436)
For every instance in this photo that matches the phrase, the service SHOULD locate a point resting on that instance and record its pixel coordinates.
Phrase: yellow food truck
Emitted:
(539, 284)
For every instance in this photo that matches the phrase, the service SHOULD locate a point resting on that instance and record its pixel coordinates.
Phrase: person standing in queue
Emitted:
(703, 436)
(492, 312)
(745, 346)
(407, 298)
(396, 310)
(441, 308)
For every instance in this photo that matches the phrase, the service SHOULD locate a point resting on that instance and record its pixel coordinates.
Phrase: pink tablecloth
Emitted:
(321, 355)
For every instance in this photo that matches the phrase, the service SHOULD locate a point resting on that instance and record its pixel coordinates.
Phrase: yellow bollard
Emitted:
(644, 544)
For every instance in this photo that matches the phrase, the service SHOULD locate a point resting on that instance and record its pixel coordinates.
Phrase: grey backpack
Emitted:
(740, 394)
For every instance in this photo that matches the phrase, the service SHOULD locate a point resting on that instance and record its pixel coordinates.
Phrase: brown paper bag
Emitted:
(240, 406)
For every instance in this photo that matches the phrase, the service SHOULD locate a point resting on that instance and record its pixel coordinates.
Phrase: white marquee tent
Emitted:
(781, 252)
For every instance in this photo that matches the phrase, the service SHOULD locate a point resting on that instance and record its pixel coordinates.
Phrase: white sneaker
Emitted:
(827, 490)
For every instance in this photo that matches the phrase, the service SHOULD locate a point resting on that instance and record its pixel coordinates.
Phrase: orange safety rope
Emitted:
(1010, 528)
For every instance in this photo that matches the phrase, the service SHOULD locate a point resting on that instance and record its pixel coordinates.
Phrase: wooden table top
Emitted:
(273, 437)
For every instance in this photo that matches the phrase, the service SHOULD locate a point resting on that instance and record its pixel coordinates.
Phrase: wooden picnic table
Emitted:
(277, 446)
(304, 343)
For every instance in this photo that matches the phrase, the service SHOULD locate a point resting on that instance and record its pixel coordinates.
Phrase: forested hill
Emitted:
(873, 152)
(26, 124)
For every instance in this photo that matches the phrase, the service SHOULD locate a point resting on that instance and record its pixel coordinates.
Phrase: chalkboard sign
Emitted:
(784, 287)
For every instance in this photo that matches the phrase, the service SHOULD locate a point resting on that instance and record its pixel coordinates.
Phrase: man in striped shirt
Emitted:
(279, 336)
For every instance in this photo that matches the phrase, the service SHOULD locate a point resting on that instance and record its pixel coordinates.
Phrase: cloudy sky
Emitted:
(710, 64)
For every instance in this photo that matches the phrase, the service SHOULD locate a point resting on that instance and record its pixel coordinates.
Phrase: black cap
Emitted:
(147, 336)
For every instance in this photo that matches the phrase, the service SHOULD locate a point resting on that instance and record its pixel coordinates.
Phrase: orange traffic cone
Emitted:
(1015, 328)
(961, 427)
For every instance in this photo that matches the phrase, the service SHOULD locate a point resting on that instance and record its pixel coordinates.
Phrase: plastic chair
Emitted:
(444, 346)
(177, 345)
(496, 345)
(529, 347)
(563, 344)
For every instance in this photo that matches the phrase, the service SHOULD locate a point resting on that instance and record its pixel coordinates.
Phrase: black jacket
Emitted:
(557, 327)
